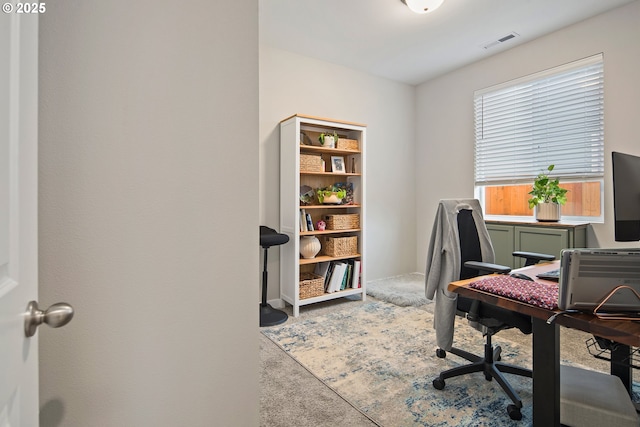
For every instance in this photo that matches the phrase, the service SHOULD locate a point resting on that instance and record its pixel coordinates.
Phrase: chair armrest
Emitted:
(533, 257)
(487, 267)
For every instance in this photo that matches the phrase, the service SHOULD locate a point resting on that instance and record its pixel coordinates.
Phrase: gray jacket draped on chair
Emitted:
(443, 263)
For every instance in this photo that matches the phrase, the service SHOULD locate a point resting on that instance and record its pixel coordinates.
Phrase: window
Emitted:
(523, 126)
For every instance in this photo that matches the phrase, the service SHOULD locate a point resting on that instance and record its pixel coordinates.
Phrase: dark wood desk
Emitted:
(546, 343)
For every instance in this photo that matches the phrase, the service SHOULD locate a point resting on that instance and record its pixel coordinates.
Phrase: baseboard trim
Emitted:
(276, 303)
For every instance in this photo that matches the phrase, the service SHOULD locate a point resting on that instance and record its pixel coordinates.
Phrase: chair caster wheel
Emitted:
(488, 377)
(438, 383)
(497, 351)
(514, 412)
(441, 353)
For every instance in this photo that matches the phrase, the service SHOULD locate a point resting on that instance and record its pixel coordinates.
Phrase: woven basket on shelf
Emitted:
(310, 163)
(341, 246)
(347, 144)
(311, 285)
(342, 221)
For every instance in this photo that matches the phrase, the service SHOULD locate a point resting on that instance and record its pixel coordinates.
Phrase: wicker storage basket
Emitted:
(342, 221)
(311, 285)
(310, 163)
(347, 144)
(341, 246)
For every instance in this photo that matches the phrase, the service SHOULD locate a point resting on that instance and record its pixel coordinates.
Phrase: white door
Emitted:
(18, 216)
(18, 219)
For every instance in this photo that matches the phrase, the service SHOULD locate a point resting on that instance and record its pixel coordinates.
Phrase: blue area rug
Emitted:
(381, 358)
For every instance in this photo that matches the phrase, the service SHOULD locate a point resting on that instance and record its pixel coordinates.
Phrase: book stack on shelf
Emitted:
(306, 222)
(339, 275)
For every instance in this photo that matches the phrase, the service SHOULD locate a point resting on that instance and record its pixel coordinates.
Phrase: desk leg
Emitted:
(546, 373)
(621, 364)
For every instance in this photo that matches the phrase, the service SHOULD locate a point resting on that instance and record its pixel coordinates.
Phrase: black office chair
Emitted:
(462, 220)
(270, 316)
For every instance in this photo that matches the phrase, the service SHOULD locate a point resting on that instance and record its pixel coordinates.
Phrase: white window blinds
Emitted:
(552, 117)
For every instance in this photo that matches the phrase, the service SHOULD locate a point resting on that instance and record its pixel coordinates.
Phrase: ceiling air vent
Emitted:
(512, 35)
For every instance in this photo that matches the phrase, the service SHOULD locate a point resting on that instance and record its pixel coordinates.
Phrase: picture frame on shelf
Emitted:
(337, 164)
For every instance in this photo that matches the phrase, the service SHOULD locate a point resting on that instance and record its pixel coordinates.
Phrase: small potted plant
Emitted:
(547, 196)
(328, 140)
(331, 195)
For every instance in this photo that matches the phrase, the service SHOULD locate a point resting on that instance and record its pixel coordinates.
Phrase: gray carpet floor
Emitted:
(292, 396)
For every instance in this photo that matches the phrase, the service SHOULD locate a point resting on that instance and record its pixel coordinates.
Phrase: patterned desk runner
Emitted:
(534, 293)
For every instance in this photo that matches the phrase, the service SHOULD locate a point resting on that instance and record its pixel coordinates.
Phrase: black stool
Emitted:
(269, 316)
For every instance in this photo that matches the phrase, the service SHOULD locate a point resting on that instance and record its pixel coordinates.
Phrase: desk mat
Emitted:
(534, 293)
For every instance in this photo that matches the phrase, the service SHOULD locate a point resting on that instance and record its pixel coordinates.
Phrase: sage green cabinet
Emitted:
(502, 239)
(508, 237)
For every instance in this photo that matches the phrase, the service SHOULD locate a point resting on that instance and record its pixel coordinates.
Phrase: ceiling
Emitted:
(384, 38)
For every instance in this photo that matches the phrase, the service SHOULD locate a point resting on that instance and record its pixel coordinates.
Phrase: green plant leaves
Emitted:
(324, 192)
(547, 190)
(323, 134)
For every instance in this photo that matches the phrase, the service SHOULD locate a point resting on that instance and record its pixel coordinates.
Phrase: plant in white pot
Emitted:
(328, 140)
(547, 196)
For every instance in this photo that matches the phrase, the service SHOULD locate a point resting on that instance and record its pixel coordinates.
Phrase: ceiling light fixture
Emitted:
(423, 6)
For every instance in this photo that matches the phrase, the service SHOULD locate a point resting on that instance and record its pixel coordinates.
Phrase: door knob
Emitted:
(55, 316)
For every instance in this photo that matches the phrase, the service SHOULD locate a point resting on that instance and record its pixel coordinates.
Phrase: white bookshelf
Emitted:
(296, 133)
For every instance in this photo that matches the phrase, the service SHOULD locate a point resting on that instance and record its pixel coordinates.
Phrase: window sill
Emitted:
(527, 220)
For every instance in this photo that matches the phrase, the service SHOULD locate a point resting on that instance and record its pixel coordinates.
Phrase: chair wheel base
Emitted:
(514, 412)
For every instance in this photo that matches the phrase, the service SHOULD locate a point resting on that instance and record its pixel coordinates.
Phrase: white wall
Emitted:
(445, 133)
(290, 84)
(149, 212)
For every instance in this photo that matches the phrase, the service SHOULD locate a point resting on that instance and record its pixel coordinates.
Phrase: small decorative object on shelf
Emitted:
(309, 246)
(348, 187)
(328, 140)
(304, 139)
(353, 165)
(547, 196)
(307, 195)
(321, 225)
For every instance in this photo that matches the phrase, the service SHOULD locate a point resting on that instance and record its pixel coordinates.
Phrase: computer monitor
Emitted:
(626, 196)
